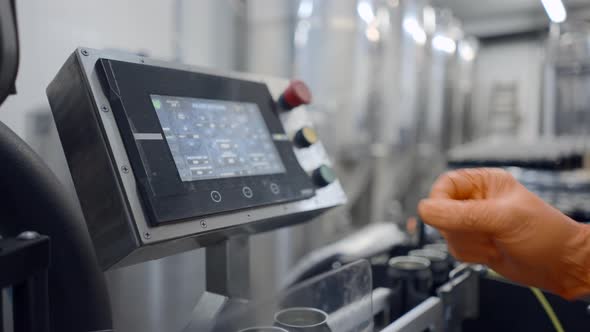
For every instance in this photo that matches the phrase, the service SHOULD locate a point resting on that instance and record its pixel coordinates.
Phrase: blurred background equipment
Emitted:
(10, 50)
(400, 91)
(568, 78)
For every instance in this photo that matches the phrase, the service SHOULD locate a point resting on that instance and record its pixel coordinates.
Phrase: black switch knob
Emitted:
(305, 137)
(323, 176)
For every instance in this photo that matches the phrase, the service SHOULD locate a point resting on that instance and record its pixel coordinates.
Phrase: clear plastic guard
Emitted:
(337, 301)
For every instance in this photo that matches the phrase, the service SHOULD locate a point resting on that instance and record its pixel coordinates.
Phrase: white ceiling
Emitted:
(496, 17)
(471, 9)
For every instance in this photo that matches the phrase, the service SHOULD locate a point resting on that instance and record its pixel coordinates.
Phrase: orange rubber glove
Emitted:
(488, 217)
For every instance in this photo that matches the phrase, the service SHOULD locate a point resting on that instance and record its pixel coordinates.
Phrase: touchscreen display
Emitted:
(211, 139)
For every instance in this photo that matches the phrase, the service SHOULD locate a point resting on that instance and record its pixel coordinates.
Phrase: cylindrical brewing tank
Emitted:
(434, 103)
(572, 75)
(462, 119)
(404, 65)
(442, 45)
(393, 119)
(333, 54)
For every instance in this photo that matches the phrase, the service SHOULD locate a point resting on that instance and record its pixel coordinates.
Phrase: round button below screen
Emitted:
(247, 192)
(215, 196)
(275, 189)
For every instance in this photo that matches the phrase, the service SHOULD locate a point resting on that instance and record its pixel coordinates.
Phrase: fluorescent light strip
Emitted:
(555, 10)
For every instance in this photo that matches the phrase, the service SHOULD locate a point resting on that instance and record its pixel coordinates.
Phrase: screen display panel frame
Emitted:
(166, 198)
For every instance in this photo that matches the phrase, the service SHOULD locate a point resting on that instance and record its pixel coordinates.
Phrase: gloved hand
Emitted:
(488, 217)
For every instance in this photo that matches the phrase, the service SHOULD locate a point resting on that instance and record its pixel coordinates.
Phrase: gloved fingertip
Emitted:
(441, 213)
(424, 204)
(423, 207)
(421, 202)
(431, 210)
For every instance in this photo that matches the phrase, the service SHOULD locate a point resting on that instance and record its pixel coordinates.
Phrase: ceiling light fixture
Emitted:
(555, 10)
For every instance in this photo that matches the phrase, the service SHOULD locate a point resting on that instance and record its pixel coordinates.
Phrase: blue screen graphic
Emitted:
(212, 139)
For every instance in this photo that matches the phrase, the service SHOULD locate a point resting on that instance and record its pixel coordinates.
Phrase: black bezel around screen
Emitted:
(166, 198)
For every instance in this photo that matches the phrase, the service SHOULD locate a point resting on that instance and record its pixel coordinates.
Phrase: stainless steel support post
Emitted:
(228, 268)
(228, 277)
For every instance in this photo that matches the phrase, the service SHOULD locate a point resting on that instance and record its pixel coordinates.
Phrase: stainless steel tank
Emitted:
(571, 65)
(439, 79)
(333, 55)
(413, 25)
(445, 82)
(335, 50)
(386, 76)
(393, 122)
(465, 80)
(362, 59)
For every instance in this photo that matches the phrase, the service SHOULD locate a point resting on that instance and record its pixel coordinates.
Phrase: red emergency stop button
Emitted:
(296, 94)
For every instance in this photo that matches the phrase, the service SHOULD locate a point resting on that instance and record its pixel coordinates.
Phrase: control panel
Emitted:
(166, 158)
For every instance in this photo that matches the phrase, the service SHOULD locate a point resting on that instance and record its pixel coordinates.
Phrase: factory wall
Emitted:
(47, 37)
(50, 30)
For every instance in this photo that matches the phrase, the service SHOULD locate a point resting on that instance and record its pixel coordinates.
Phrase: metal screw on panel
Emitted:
(204, 224)
(28, 235)
(125, 169)
(85, 53)
(147, 235)
(104, 108)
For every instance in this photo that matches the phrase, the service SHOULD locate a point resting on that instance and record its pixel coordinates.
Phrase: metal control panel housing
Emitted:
(144, 197)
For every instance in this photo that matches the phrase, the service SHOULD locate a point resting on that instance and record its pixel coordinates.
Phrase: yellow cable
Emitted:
(494, 274)
(548, 309)
(542, 300)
